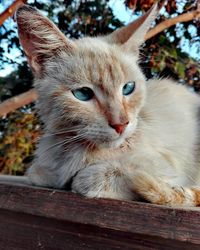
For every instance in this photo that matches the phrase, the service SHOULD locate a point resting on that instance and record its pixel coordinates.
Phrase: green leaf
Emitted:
(180, 69)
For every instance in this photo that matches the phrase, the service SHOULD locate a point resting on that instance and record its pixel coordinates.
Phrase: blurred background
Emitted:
(174, 52)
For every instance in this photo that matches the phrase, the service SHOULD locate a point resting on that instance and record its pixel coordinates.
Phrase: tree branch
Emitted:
(10, 10)
(170, 22)
(17, 102)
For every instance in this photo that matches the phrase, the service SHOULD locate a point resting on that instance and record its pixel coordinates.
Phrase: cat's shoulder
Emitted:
(168, 89)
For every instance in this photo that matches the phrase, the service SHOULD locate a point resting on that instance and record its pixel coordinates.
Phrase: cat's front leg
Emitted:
(158, 191)
(103, 181)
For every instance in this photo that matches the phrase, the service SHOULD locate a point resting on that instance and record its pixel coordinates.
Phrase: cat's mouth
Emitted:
(100, 138)
(114, 143)
(119, 141)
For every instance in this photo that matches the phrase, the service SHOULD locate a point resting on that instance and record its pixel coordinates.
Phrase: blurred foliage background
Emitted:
(167, 54)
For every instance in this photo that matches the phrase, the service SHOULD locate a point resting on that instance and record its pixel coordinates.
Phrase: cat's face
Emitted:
(92, 88)
(98, 88)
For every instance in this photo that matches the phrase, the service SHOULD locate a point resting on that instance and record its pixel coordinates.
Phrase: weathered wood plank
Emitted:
(36, 218)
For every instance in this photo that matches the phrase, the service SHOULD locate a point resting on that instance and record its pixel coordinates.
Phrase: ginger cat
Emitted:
(108, 131)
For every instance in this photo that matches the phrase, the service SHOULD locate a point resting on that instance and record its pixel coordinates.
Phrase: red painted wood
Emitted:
(36, 218)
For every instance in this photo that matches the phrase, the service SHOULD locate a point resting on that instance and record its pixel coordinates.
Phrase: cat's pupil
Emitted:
(128, 88)
(83, 94)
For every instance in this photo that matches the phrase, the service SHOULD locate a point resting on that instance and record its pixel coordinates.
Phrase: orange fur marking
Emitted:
(196, 193)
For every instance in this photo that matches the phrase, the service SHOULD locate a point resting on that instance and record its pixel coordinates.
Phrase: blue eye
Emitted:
(128, 88)
(83, 94)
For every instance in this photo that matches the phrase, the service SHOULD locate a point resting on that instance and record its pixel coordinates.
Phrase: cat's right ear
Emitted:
(39, 37)
(130, 37)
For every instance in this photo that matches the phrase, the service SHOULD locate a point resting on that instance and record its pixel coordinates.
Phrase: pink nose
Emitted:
(119, 127)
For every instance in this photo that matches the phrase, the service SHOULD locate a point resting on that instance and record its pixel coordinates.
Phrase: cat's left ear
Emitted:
(40, 38)
(132, 36)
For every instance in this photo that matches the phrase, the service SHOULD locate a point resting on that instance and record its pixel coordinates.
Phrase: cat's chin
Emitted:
(117, 143)
(112, 144)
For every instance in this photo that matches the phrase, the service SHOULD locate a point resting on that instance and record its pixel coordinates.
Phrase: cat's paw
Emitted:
(152, 189)
(102, 181)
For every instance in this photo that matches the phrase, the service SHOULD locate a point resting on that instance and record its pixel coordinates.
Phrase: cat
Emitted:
(108, 131)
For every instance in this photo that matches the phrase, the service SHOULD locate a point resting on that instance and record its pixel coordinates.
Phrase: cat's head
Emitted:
(92, 88)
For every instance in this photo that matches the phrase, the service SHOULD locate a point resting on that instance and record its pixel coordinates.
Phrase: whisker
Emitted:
(63, 131)
(66, 141)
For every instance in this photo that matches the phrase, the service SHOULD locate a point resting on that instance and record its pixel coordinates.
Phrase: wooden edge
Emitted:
(129, 220)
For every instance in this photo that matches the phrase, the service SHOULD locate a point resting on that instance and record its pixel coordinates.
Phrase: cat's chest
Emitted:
(107, 155)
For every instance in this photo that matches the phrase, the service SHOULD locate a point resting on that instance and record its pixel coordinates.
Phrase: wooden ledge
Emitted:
(37, 218)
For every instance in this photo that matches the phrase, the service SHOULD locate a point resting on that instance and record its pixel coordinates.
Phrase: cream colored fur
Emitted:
(156, 157)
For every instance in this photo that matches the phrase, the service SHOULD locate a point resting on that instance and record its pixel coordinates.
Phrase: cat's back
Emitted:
(170, 102)
(169, 120)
